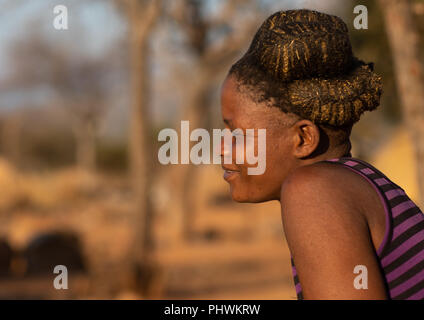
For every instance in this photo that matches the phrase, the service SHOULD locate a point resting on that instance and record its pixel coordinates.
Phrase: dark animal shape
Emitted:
(48, 250)
(6, 254)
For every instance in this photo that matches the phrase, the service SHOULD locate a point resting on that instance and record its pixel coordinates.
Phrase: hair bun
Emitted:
(302, 61)
(337, 101)
(302, 44)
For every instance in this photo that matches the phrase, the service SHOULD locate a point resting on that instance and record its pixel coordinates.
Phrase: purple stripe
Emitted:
(407, 284)
(294, 271)
(402, 207)
(417, 296)
(298, 288)
(367, 171)
(407, 224)
(394, 193)
(405, 246)
(381, 181)
(351, 163)
(405, 267)
(386, 211)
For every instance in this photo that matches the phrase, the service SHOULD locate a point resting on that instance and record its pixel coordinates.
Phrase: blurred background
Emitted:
(80, 111)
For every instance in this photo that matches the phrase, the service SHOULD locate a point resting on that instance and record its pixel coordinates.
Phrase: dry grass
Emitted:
(42, 191)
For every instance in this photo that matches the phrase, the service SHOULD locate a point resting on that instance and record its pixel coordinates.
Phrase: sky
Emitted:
(94, 27)
(97, 21)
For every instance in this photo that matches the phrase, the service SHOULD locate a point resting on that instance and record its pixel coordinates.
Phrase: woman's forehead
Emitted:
(243, 112)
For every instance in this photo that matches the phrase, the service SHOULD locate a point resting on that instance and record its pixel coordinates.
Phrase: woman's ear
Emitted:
(306, 138)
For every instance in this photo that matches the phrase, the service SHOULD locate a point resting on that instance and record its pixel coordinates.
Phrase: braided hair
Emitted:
(302, 61)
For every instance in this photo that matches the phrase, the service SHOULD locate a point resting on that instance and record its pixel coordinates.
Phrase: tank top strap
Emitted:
(401, 253)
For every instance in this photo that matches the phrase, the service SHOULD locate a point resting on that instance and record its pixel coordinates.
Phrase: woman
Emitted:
(342, 218)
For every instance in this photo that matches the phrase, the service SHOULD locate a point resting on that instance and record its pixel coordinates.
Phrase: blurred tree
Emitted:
(11, 138)
(403, 38)
(79, 84)
(371, 45)
(141, 16)
(213, 41)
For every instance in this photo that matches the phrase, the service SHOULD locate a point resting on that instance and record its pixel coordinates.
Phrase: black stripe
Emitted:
(398, 200)
(419, 286)
(359, 163)
(407, 275)
(296, 281)
(376, 170)
(342, 160)
(387, 187)
(373, 176)
(406, 215)
(405, 236)
(357, 167)
(300, 295)
(404, 257)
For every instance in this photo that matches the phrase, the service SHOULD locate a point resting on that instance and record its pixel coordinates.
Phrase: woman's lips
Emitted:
(230, 174)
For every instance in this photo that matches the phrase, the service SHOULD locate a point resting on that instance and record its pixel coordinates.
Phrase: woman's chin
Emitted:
(242, 197)
(245, 197)
(238, 196)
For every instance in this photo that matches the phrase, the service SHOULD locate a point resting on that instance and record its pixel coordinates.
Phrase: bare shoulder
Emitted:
(324, 194)
(322, 208)
(324, 180)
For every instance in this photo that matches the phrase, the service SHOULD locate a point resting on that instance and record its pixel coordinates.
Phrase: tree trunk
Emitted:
(140, 149)
(403, 39)
(197, 112)
(11, 137)
(141, 145)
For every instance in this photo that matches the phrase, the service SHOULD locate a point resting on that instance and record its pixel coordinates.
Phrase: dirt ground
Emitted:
(239, 251)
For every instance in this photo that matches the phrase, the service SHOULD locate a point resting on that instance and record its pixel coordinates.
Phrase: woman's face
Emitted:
(240, 112)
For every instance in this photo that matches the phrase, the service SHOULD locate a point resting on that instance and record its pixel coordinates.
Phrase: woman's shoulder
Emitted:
(324, 176)
(325, 184)
(322, 196)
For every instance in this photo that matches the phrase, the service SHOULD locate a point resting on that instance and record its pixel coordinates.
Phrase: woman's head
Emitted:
(301, 82)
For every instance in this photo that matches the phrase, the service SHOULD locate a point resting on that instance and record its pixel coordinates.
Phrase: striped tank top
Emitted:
(401, 254)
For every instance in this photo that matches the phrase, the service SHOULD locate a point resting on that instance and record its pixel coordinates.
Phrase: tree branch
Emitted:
(231, 46)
